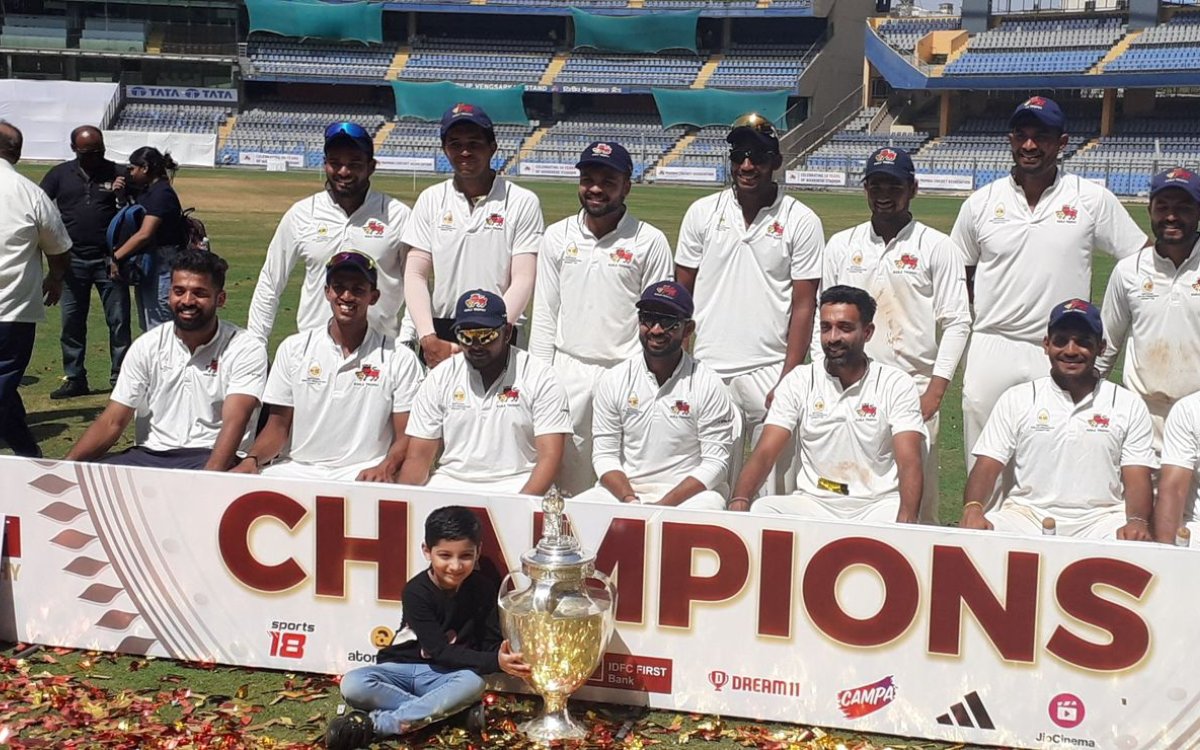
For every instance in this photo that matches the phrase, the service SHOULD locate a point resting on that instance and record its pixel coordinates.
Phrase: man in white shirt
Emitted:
(1179, 481)
(1079, 446)
(346, 215)
(342, 393)
(498, 416)
(192, 386)
(1153, 302)
(857, 422)
(30, 227)
(751, 256)
(663, 422)
(915, 274)
(592, 268)
(476, 230)
(1027, 242)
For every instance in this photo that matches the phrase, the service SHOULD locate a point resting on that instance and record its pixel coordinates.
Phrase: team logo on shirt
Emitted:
(571, 253)
(1196, 286)
(1043, 421)
(819, 406)
(681, 408)
(367, 373)
(459, 399)
(494, 221)
(1147, 289)
(211, 368)
(998, 213)
(856, 261)
(1098, 423)
(906, 262)
(322, 231)
(867, 411)
(508, 395)
(447, 221)
(721, 227)
(775, 230)
(1067, 214)
(621, 257)
(633, 401)
(374, 228)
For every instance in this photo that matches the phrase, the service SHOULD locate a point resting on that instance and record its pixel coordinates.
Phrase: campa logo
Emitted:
(857, 702)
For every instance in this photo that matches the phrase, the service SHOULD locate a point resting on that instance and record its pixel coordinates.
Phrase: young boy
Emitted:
(449, 637)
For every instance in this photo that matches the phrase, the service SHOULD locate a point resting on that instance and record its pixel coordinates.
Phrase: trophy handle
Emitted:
(610, 617)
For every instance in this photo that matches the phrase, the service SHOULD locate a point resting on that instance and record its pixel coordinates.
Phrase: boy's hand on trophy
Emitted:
(512, 662)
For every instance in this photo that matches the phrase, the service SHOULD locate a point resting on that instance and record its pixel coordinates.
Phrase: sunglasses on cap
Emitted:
(352, 129)
(667, 323)
(477, 336)
(755, 122)
(755, 155)
(358, 259)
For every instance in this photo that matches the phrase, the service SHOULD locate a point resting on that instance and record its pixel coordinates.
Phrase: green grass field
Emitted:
(266, 709)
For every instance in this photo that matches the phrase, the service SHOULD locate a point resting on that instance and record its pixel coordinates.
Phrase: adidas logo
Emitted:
(970, 714)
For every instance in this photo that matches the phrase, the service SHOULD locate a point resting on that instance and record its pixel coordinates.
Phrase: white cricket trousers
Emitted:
(578, 378)
(749, 392)
(994, 364)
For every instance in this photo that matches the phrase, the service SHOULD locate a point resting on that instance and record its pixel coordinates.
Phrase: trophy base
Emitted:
(557, 725)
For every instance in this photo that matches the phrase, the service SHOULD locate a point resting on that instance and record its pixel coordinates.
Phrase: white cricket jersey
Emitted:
(744, 276)
(343, 405)
(178, 394)
(662, 434)
(1030, 259)
(1066, 457)
(1154, 308)
(488, 433)
(587, 288)
(30, 226)
(473, 248)
(845, 436)
(1181, 445)
(919, 284)
(312, 230)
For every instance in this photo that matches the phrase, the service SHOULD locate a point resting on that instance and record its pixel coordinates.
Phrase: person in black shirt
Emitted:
(162, 232)
(449, 638)
(87, 191)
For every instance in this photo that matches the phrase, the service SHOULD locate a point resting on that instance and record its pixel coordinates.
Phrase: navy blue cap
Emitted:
(352, 260)
(606, 154)
(669, 295)
(1179, 178)
(463, 112)
(480, 309)
(1077, 310)
(891, 161)
(352, 133)
(1045, 111)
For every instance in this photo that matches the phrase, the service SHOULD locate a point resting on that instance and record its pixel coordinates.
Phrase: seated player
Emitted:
(662, 422)
(1080, 448)
(1177, 484)
(498, 415)
(341, 392)
(858, 428)
(193, 386)
(448, 640)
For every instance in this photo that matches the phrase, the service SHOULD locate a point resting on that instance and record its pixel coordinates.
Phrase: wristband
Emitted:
(969, 504)
(745, 500)
(1131, 519)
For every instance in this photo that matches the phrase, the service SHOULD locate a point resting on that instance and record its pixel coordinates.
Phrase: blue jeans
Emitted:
(153, 290)
(404, 697)
(76, 299)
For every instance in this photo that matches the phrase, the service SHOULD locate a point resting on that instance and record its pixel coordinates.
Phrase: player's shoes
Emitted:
(354, 730)
(476, 718)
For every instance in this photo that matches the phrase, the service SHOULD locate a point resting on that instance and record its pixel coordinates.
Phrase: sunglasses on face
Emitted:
(667, 323)
(352, 129)
(737, 156)
(477, 336)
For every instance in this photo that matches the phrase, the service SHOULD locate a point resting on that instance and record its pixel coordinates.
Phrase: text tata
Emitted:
(1008, 619)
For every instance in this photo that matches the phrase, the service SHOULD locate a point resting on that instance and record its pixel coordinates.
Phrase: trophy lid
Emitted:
(558, 554)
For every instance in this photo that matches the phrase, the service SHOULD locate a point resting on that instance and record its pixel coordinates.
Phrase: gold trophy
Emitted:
(558, 612)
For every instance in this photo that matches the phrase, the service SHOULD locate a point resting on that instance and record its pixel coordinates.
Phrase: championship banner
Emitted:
(960, 636)
(544, 169)
(809, 178)
(930, 181)
(686, 174)
(185, 94)
(405, 163)
(257, 159)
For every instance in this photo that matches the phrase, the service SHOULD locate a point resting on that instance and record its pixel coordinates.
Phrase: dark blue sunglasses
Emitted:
(354, 130)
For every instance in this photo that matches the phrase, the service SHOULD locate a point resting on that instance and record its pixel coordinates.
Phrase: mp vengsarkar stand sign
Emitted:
(939, 633)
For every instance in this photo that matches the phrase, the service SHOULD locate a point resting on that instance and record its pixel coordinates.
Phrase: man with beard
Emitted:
(346, 215)
(663, 421)
(592, 268)
(857, 422)
(497, 415)
(86, 191)
(1027, 242)
(751, 256)
(476, 230)
(341, 394)
(193, 386)
(1080, 446)
(1153, 301)
(915, 274)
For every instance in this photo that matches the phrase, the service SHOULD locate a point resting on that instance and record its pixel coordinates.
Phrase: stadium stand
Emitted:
(198, 39)
(708, 149)
(291, 57)
(36, 32)
(980, 147)
(848, 148)
(110, 35)
(1070, 45)
(1139, 148)
(421, 139)
(630, 70)
(283, 128)
(765, 66)
(904, 33)
(643, 135)
(478, 61)
(170, 118)
(1173, 45)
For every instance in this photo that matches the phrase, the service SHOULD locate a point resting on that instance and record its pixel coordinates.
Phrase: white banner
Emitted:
(187, 149)
(183, 94)
(929, 181)
(543, 169)
(686, 174)
(406, 163)
(47, 112)
(257, 159)
(815, 179)
(966, 637)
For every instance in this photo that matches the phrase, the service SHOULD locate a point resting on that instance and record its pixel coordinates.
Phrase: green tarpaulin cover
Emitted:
(427, 101)
(702, 107)
(360, 22)
(651, 32)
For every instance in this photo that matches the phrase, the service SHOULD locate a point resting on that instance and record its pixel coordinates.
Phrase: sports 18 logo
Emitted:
(288, 639)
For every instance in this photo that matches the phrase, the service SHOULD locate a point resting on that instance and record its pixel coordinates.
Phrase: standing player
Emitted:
(1027, 242)
(1179, 482)
(592, 268)
(916, 277)
(751, 255)
(1153, 300)
(476, 230)
(346, 215)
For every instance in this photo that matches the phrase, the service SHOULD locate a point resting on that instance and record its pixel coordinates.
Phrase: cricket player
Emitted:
(1080, 447)
(1153, 302)
(915, 275)
(751, 256)
(1179, 480)
(592, 268)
